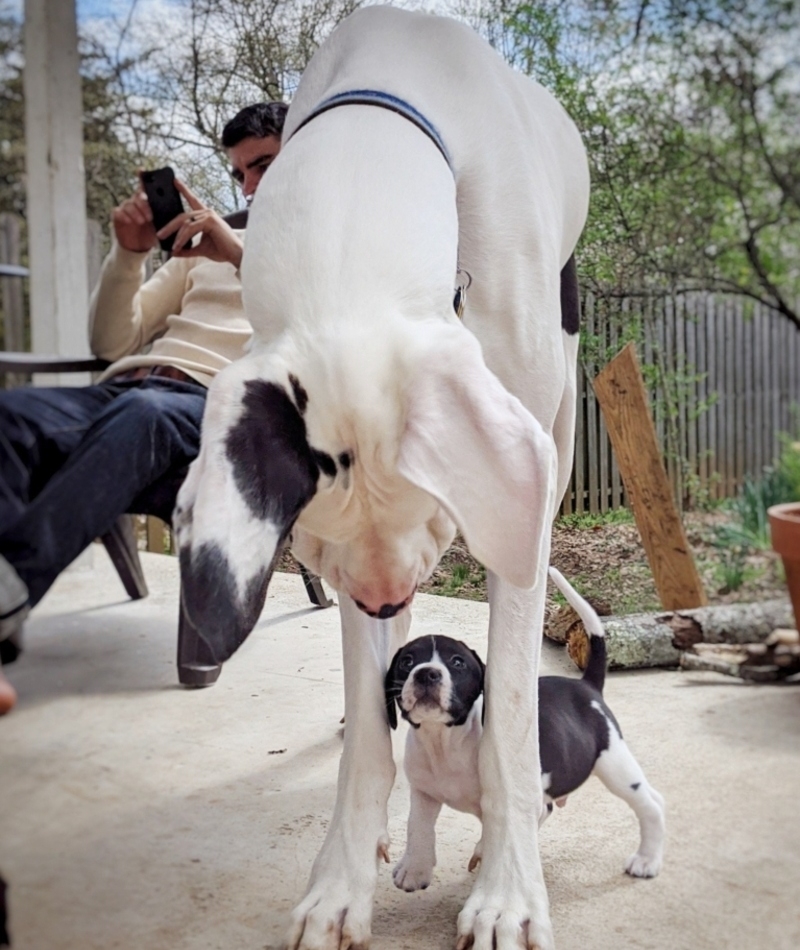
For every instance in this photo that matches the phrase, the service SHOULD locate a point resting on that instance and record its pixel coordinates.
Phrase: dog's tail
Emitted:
(595, 672)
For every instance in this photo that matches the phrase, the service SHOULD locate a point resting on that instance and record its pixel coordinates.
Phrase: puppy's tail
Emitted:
(595, 672)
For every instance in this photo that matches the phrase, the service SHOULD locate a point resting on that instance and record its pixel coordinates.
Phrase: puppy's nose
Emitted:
(428, 676)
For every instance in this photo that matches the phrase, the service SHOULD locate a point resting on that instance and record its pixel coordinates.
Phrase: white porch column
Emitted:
(56, 189)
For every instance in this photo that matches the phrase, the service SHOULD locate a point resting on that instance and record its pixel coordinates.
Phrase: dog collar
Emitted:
(384, 100)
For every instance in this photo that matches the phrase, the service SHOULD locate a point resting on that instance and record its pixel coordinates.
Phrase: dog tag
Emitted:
(460, 298)
(459, 301)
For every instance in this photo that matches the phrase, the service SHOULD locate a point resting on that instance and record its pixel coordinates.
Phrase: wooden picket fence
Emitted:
(728, 384)
(731, 387)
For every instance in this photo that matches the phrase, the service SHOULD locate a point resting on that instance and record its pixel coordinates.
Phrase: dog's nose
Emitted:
(386, 611)
(428, 676)
(389, 610)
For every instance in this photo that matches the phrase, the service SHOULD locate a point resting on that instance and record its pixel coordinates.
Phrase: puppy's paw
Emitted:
(641, 865)
(412, 875)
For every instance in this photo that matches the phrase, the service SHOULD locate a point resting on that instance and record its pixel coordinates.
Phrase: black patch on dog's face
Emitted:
(211, 602)
(273, 465)
(300, 395)
(570, 298)
(345, 460)
(276, 472)
(465, 667)
(325, 462)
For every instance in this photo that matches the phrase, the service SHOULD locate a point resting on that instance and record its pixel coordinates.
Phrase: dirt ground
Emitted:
(603, 557)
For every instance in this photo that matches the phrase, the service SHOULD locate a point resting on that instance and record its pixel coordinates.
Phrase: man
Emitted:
(72, 460)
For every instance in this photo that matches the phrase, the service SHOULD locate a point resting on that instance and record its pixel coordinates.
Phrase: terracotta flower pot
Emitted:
(784, 523)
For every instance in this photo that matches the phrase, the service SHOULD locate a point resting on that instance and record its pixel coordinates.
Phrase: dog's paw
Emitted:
(330, 919)
(642, 866)
(500, 922)
(411, 875)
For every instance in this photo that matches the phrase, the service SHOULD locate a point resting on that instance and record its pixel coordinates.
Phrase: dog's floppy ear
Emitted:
(389, 692)
(254, 475)
(482, 455)
(482, 666)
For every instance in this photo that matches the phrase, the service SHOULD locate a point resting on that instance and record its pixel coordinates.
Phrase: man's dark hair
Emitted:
(257, 121)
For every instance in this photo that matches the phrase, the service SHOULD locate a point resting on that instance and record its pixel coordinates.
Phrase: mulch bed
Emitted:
(607, 564)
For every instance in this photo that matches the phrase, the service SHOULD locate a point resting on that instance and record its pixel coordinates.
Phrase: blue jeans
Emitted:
(72, 460)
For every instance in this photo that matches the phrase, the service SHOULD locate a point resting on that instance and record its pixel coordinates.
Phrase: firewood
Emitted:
(647, 640)
(775, 659)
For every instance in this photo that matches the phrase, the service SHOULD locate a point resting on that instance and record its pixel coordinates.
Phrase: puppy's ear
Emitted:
(481, 454)
(389, 692)
(482, 666)
(254, 475)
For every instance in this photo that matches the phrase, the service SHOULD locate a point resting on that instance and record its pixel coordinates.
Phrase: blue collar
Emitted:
(372, 97)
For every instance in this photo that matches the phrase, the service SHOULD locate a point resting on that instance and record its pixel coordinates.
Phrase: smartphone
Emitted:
(164, 198)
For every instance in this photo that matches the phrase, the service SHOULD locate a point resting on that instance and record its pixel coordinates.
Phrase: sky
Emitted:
(89, 10)
(105, 9)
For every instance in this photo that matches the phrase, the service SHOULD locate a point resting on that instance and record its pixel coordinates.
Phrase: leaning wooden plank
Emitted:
(623, 399)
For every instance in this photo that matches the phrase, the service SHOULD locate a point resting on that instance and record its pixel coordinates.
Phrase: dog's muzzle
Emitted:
(427, 685)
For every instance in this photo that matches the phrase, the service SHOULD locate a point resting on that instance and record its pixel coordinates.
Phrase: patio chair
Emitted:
(196, 666)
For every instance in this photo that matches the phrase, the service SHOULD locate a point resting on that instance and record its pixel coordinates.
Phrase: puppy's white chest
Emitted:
(444, 766)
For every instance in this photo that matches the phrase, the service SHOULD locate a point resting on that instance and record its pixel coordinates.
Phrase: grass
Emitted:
(596, 519)
(749, 530)
(463, 579)
(732, 571)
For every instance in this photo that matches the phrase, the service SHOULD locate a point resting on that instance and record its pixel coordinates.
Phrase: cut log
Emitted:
(639, 640)
(738, 623)
(645, 640)
(560, 623)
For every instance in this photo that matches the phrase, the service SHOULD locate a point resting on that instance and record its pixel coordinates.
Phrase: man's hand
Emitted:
(218, 241)
(133, 224)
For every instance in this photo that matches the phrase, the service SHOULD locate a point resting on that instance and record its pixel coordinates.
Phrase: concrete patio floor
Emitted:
(136, 814)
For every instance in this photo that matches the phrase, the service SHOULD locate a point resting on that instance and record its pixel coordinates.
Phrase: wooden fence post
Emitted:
(623, 399)
(159, 539)
(94, 252)
(12, 297)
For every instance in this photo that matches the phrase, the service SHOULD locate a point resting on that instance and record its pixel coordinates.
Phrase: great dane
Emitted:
(369, 422)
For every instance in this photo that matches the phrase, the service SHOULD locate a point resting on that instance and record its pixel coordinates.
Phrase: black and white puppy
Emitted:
(438, 683)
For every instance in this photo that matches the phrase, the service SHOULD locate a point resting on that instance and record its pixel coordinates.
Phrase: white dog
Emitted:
(370, 422)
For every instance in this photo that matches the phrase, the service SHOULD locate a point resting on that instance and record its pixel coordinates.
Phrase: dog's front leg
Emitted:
(414, 870)
(336, 911)
(508, 906)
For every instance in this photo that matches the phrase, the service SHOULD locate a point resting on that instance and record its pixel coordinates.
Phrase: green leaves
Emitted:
(691, 118)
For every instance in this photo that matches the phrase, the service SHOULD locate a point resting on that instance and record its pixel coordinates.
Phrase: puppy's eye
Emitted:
(457, 663)
(406, 663)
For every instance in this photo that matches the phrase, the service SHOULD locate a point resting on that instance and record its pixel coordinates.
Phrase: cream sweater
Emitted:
(190, 311)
